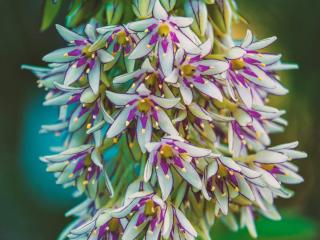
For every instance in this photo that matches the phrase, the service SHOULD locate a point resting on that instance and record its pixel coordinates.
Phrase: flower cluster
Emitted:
(184, 106)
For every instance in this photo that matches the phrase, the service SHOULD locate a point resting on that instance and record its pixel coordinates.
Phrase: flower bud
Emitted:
(143, 8)
(114, 12)
(168, 4)
(197, 10)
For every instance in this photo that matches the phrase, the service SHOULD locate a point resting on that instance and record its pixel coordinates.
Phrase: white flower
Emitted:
(173, 153)
(82, 63)
(146, 109)
(193, 71)
(166, 32)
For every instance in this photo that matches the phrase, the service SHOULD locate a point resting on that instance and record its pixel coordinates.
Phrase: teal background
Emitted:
(32, 206)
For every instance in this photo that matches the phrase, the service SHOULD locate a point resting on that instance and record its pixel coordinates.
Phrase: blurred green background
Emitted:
(32, 207)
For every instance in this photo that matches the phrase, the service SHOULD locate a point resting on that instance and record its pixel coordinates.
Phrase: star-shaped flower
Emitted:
(146, 110)
(166, 32)
(83, 65)
(173, 153)
(194, 71)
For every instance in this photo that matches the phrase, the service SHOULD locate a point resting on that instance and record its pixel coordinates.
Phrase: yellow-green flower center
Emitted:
(237, 64)
(188, 70)
(144, 105)
(149, 209)
(122, 37)
(166, 151)
(86, 51)
(164, 30)
(151, 79)
(114, 225)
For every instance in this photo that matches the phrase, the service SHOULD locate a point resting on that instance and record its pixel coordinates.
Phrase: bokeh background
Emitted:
(32, 206)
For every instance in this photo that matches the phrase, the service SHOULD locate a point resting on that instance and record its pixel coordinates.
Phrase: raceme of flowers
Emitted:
(185, 108)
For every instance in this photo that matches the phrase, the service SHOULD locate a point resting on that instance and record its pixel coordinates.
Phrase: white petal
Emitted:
(181, 21)
(119, 123)
(126, 77)
(94, 77)
(140, 26)
(67, 34)
(247, 40)
(261, 44)
(270, 157)
(165, 103)
(186, 43)
(131, 232)
(236, 53)
(165, 182)
(190, 175)
(73, 74)
(245, 95)
(142, 48)
(58, 56)
(186, 93)
(167, 223)
(173, 76)
(229, 163)
(165, 123)
(185, 223)
(104, 56)
(159, 12)
(144, 136)
(119, 98)
(166, 59)
(209, 89)
(192, 150)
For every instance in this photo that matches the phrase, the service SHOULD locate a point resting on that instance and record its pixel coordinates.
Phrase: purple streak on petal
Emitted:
(132, 102)
(178, 162)
(154, 39)
(152, 27)
(80, 42)
(165, 44)
(141, 219)
(153, 223)
(83, 111)
(174, 37)
(75, 52)
(132, 114)
(81, 61)
(155, 115)
(254, 114)
(79, 166)
(276, 170)
(241, 79)
(195, 59)
(155, 159)
(75, 98)
(165, 167)
(219, 183)
(91, 64)
(251, 61)
(144, 118)
(78, 155)
(198, 79)
(92, 172)
(233, 180)
(203, 68)
(102, 230)
(249, 72)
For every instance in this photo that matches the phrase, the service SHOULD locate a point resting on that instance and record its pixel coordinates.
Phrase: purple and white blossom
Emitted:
(173, 153)
(146, 110)
(83, 65)
(248, 70)
(166, 33)
(80, 166)
(119, 41)
(192, 71)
